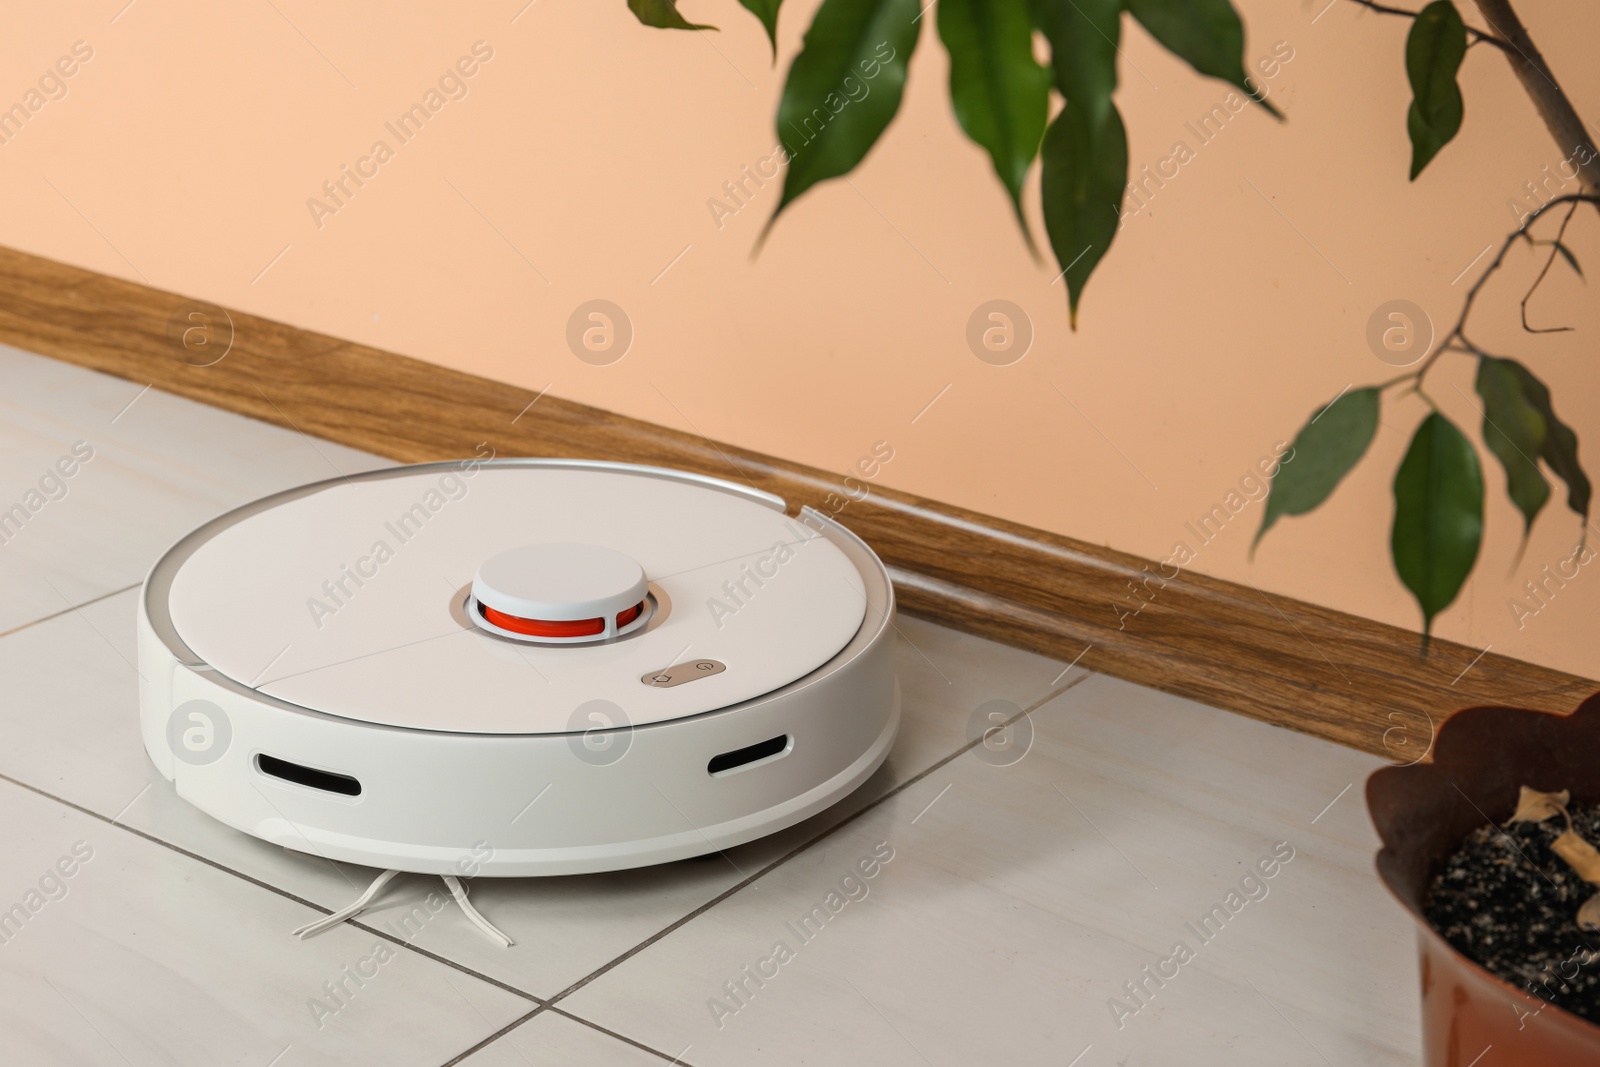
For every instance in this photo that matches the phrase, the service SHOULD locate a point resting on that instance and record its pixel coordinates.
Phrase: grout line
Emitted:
(550, 1005)
(269, 887)
(791, 854)
(70, 610)
(678, 1059)
(540, 1005)
(497, 1035)
(505, 1031)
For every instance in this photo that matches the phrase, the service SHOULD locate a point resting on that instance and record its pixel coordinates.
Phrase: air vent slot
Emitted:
(310, 777)
(743, 757)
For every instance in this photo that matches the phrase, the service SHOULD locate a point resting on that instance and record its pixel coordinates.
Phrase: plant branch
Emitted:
(1555, 250)
(1478, 36)
(1560, 117)
(1511, 37)
(1457, 340)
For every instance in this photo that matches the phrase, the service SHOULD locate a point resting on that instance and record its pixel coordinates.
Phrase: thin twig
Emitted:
(1555, 249)
(1478, 36)
(1457, 340)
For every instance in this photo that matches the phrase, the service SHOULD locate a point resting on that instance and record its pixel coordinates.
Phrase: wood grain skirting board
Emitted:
(1294, 664)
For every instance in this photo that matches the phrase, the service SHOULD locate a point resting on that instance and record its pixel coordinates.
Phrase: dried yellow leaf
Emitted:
(1580, 856)
(1534, 806)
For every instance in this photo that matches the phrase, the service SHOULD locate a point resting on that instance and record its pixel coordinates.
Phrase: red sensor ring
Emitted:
(556, 628)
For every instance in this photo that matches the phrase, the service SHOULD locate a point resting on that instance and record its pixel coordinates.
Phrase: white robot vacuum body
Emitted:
(517, 667)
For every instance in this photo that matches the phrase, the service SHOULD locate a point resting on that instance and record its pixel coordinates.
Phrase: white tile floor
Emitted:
(1007, 904)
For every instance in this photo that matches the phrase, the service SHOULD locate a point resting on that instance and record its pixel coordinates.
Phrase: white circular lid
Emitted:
(560, 582)
(345, 599)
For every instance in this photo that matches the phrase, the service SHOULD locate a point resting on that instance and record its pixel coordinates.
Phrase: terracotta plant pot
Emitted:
(1423, 812)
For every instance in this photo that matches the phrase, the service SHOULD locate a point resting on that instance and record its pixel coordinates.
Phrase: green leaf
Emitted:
(843, 89)
(1000, 94)
(1560, 451)
(767, 12)
(1206, 34)
(1438, 516)
(663, 14)
(1085, 152)
(1515, 432)
(1434, 49)
(1085, 169)
(1083, 36)
(1324, 451)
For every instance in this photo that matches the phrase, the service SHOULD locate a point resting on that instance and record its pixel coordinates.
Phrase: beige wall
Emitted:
(580, 164)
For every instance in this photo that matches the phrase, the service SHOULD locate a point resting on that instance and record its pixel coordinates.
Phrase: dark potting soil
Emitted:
(1508, 902)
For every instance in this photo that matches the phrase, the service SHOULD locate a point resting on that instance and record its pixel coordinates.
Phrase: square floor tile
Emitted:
(117, 950)
(1019, 906)
(107, 475)
(70, 727)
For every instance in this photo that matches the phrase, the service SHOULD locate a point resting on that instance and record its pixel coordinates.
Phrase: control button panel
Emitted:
(687, 671)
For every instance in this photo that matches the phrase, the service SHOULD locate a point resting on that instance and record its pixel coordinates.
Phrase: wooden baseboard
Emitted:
(1348, 679)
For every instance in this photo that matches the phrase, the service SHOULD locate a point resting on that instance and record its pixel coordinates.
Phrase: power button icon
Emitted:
(683, 672)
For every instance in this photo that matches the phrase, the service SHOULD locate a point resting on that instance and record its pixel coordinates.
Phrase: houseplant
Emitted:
(1062, 113)
(1482, 759)
(1003, 99)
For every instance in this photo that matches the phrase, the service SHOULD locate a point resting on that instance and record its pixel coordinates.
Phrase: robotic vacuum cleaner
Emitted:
(517, 667)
